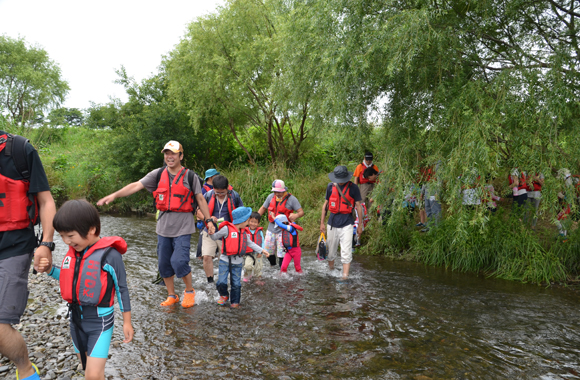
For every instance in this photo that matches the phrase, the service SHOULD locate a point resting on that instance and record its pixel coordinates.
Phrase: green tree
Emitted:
(66, 116)
(29, 81)
(142, 125)
(225, 73)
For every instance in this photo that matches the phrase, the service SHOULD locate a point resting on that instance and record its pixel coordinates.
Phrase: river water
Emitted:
(392, 320)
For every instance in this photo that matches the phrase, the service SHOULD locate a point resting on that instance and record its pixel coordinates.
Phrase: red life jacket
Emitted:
(537, 186)
(256, 237)
(291, 241)
(175, 197)
(361, 178)
(229, 204)
(236, 243)
(18, 209)
(82, 278)
(276, 208)
(336, 204)
(522, 179)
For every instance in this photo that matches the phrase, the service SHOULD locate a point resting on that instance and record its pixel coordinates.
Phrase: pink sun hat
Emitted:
(278, 186)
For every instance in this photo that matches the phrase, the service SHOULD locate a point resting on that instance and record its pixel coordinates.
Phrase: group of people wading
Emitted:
(92, 271)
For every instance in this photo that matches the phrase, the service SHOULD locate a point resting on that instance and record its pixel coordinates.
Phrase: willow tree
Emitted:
(225, 72)
(485, 84)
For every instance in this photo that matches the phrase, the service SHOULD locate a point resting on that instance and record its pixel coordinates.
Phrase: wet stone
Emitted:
(4, 368)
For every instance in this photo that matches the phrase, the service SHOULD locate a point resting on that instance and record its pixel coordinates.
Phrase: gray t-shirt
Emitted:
(173, 224)
(291, 204)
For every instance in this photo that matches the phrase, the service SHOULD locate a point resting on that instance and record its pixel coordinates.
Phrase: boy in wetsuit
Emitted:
(91, 273)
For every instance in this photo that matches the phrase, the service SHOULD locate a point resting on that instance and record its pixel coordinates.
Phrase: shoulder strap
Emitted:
(17, 144)
(158, 178)
(342, 195)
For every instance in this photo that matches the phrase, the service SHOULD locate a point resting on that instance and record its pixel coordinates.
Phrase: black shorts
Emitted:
(14, 287)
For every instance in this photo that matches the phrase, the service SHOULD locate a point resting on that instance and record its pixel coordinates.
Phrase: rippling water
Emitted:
(393, 320)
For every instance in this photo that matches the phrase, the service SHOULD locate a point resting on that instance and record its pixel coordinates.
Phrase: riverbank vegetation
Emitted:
(289, 89)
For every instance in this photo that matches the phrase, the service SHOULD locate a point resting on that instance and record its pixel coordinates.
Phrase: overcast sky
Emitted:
(90, 39)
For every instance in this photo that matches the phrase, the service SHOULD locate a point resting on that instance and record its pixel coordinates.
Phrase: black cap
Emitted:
(368, 156)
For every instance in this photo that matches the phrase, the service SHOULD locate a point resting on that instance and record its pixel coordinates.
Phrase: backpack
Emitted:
(16, 147)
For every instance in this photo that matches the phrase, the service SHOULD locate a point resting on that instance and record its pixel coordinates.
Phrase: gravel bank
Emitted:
(45, 328)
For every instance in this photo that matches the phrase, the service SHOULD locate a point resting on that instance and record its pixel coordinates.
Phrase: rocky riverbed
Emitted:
(45, 328)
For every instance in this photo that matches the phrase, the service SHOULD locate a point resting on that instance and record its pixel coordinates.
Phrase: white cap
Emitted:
(173, 146)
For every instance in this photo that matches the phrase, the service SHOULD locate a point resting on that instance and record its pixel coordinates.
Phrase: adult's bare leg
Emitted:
(13, 347)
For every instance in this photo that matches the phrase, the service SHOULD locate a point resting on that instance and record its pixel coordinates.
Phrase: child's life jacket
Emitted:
(18, 209)
(256, 237)
(82, 278)
(291, 241)
(365, 217)
(175, 197)
(289, 238)
(236, 242)
(337, 204)
(276, 208)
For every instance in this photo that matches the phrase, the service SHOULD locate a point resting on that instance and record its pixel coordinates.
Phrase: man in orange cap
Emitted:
(177, 193)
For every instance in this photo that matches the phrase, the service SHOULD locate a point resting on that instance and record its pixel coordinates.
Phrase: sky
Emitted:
(91, 39)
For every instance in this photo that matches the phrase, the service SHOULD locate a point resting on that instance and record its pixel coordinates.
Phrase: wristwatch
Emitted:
(48, 244)
(209, 220)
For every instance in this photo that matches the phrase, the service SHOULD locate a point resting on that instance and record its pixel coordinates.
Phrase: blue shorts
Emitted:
(173, 255)
(95, 334)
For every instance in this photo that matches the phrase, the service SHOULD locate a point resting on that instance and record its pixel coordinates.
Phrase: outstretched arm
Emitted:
(131, 188)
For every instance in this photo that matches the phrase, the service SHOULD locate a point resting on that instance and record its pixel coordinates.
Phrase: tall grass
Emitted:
(502, 247)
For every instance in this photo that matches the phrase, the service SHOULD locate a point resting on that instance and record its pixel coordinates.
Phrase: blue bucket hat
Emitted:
(210, 173)
(241, 214)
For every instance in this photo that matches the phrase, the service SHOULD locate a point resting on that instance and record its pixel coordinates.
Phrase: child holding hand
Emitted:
(91, 273)
(235, 242)
(290, 242)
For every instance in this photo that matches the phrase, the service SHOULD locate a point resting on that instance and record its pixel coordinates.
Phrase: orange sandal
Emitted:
(170, 300)
(188, 299)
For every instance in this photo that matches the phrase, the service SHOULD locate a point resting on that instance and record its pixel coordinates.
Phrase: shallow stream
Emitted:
(393, 320)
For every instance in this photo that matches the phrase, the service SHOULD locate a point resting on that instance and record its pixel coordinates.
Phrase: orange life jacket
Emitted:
(236, 243)
(336, 204)
(291, 241)
(256, 237)
(229, 204)
(18, 209)
(82, 278)
(361, 178)
(276, 208)
(174, 196)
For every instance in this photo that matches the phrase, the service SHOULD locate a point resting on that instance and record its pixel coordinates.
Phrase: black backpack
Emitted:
(16, 147)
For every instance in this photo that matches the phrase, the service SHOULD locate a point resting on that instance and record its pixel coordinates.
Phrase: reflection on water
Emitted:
(393, 320)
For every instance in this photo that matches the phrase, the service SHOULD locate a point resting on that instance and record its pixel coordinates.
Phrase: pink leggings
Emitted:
(293, 253)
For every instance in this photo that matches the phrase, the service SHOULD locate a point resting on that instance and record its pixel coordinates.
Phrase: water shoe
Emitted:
(170, 300)
(247, 279)
(188, 299)
(419, 225)
(235, 305)
(34, 376)
(222, 300)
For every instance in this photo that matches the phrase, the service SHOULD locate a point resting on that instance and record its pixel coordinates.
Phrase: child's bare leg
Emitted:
(95, 368)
